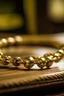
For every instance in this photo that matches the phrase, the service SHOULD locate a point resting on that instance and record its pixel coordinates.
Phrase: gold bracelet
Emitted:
(44, 61)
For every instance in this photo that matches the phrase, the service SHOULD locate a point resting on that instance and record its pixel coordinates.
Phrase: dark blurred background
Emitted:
(31, 16)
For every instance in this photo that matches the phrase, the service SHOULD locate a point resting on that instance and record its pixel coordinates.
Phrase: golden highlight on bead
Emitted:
(49, 59)
(44, 61)
(29, 62)
(57, 56)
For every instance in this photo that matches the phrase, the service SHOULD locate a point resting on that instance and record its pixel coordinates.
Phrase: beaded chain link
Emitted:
(44, 61)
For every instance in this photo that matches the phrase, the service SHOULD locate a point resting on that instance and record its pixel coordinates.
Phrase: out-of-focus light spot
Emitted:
(56, 10)
(10, 21)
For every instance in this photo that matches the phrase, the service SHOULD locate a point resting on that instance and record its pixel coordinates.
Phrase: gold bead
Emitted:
(17, 61)
(18, 39)
(49, 63)
(7, 60)
(49, 56)
(57, 56)
(11, 41)
(41, 62)
(49, 59)
(4, 41)
(29, 62)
